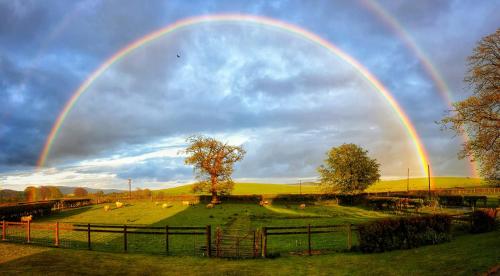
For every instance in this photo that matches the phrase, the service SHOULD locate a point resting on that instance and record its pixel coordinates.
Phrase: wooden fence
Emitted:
(307, 231)
(66, 235)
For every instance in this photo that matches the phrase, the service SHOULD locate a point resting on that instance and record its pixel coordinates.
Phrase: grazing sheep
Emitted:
(302, 206)
(264, 203)
(157, 203)
(210, 206)
(106, 208)
(26, 218)
(186, 203)
(119, 204)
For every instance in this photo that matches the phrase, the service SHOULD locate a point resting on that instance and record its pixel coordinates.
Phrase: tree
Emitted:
(349, 169)
(213, 163)
(478, 116)
(55, 192)
(44, 192)
(79, 192)
(32, 194)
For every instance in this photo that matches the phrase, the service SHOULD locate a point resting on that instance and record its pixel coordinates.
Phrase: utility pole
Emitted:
(300, 186)
(429, 179)
(129, 188)
(408, 181)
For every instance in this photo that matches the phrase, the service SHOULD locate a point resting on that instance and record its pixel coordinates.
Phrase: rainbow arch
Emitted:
(259, 20)
(427, 65)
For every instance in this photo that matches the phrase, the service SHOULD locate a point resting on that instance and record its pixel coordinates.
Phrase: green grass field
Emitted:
(245, 216)
(465, 255)
(382, 186)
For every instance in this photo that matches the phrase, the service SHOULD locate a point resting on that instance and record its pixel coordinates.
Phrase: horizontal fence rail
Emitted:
(307, 231)
(153, 239)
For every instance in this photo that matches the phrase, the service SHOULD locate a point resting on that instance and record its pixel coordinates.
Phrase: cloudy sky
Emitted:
(286, 99)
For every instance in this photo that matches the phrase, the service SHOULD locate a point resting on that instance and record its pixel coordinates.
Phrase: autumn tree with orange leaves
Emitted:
(213, 163)
(478, 116)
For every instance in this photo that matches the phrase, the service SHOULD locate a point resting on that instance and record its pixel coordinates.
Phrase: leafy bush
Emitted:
(483, 220)
(451, 200)
(382, 203)
(351, 199)
(403, 233)
(472, 200)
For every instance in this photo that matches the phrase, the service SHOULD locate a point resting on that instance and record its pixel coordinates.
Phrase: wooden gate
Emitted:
(236, 243)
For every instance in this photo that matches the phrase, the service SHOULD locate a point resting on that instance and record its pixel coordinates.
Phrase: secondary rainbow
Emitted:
(379, 87)
(429, 68)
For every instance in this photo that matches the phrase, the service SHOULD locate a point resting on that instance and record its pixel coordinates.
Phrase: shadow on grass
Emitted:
(63, 214)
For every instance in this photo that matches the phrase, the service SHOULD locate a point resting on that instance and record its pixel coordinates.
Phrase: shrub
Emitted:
(483, 220)
(403, 233)
(451, 200)
(472, 200)
(382, 203)
(351, 199)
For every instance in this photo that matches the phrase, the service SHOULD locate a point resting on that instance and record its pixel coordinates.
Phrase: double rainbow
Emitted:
(258, 20)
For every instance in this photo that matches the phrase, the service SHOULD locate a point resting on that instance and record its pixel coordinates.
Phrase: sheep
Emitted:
(26, 218)
(119, 204)
(106, 208)
(166, 205)
(302, 206)
(210, 206)
(264, 203)
(157, 203)
(186, 203)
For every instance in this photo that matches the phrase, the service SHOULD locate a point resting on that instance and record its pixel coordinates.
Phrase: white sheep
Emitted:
(119, 204)
(186, 203)
(26, 218)
(302, 206)
(210, 206)
(106, 208)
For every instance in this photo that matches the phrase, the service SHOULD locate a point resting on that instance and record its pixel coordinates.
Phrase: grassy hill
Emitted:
(308, 188)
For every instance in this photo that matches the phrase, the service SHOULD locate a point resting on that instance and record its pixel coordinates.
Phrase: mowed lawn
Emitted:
(310, 188)
(465, 255)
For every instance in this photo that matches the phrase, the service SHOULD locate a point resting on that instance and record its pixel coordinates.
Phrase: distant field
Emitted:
(382, 186)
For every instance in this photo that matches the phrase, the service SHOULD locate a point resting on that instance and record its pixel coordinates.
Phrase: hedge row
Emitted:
(458, 200)
(383, 203)
(403, 233)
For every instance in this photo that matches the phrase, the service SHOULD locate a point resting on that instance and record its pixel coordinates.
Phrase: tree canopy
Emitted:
(79, 192)
(478, 116)
(213, 163)
(348, 169)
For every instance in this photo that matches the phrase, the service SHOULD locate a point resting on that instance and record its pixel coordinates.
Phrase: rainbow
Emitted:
(428, 67)
(374, 82)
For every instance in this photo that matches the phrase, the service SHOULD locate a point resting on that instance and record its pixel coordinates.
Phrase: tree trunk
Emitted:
(213, 190)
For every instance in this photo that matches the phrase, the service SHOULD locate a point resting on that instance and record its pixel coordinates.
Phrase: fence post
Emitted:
(254, 246)
(88, 236)
(309, 239)
(209, 240)
(29, 231)
(264, 242)
(217, 242)
(349, 236)
(166, 239)
(125, 238)
(57, 233)
(4, 230)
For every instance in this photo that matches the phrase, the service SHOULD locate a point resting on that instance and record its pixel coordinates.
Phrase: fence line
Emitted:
(66, 235)
(23, 231)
